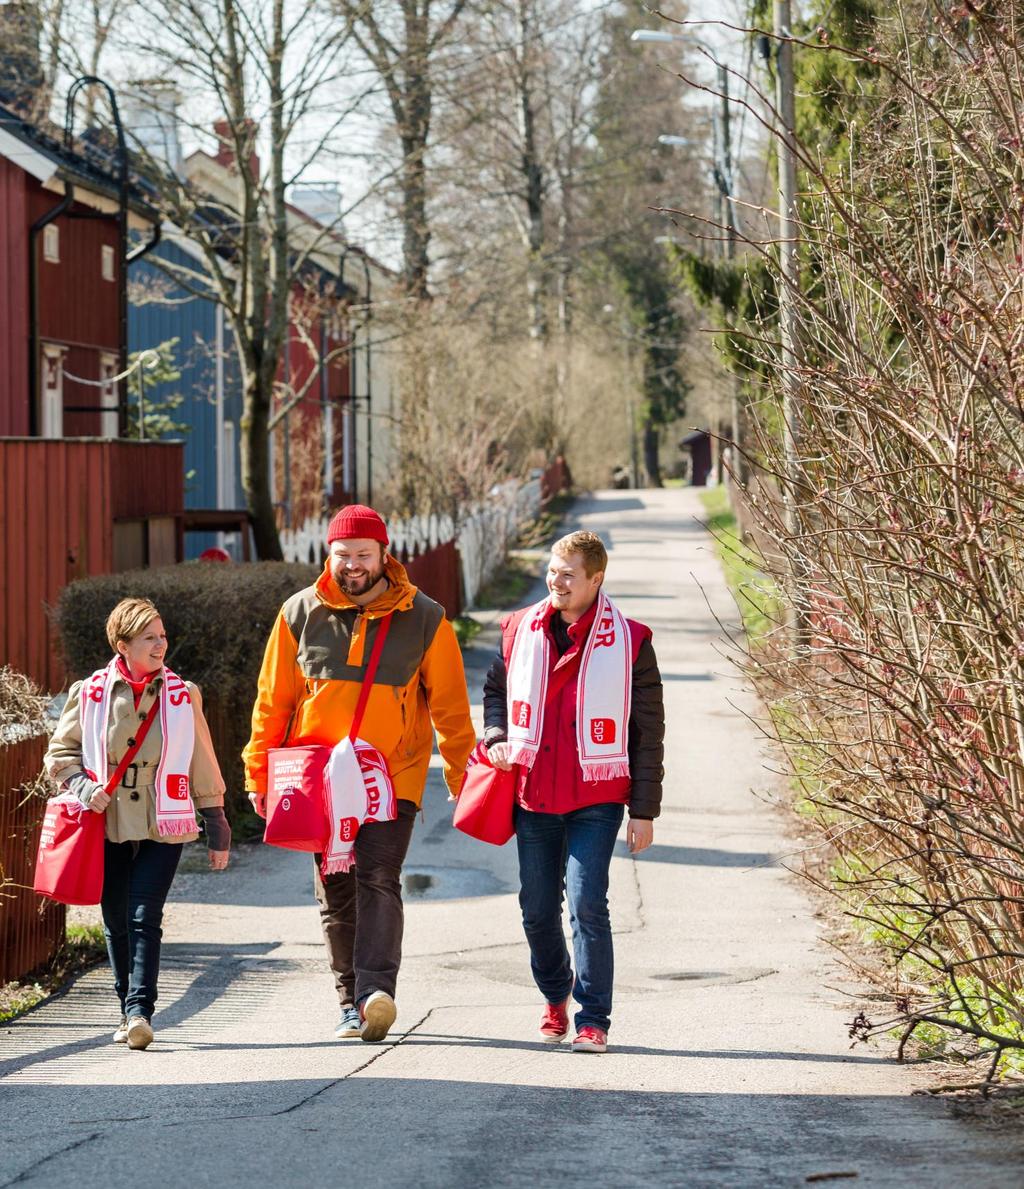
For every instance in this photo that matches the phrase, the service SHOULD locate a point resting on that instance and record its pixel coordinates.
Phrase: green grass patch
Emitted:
(509, 583)
(84, 947)
(752, 589)
(547, 528)
(466, 629)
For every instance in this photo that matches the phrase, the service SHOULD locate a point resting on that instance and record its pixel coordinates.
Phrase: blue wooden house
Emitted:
(160, 309)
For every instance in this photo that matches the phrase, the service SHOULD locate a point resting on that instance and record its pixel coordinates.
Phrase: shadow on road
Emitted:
(432, 1131)
(699, 856)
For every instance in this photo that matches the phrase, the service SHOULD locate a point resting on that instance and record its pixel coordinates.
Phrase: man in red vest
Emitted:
(574, 701)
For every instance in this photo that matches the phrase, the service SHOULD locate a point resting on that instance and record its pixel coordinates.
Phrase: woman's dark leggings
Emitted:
(136, 879)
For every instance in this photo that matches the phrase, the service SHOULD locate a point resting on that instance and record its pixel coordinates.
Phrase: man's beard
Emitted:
(359, 584)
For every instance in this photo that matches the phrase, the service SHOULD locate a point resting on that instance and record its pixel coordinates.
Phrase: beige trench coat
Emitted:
(131, 814)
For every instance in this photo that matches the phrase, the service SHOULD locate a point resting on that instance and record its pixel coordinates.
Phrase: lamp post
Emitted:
(722, 173)
(723, 136)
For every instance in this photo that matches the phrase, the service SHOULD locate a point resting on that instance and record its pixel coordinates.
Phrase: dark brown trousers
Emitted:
(361, 910)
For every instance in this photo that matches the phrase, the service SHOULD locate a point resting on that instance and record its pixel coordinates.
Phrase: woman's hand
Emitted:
(99, 800)
(497, 753)
(90, 792)
(259, 803)
(218, 859)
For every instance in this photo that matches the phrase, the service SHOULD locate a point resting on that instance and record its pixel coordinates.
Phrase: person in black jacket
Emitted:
(573, 701)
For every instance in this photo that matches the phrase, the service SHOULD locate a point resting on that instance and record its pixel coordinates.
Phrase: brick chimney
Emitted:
(21, 72)
(225, 154)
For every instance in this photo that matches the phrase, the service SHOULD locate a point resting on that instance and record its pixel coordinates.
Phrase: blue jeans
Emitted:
(136, 879)
(569, 853)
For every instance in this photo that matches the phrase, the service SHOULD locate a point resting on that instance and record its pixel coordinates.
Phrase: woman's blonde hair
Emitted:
(128, 619)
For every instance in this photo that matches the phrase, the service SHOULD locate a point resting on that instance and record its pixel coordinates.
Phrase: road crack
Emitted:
(27, 1172)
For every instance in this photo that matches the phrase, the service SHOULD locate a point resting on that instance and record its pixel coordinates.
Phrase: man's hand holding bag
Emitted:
(485, 803)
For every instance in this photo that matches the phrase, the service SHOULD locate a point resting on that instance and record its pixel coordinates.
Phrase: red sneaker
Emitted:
(554, 1023)
(590, 1040)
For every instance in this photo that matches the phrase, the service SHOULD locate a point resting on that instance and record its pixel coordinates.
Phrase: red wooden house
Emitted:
(70, 507)
(62, 337)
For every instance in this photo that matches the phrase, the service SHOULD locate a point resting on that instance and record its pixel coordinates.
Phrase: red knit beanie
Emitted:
(357, 520)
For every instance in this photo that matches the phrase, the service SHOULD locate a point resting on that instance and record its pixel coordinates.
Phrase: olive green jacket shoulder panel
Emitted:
(323, 635)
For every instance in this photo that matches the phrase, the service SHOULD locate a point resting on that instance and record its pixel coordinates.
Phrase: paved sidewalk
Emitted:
(729, 1066)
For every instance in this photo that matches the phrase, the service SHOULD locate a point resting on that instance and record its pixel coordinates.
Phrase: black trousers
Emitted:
(361, 910)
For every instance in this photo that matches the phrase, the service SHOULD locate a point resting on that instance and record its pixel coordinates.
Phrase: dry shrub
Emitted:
(480, 408)
(22, 705)
(900, 700)
(218, 618)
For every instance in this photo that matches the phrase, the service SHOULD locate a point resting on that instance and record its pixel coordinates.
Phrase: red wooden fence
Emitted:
(70, 508)
(437, 573)
(31, 929)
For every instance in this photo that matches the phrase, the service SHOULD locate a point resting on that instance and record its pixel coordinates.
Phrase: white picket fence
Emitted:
(483, 537)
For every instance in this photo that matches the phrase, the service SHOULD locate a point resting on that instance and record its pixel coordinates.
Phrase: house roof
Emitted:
(89, 165)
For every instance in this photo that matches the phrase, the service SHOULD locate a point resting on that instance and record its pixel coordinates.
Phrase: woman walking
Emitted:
(136, 701)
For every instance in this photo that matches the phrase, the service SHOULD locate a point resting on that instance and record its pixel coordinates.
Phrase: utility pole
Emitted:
(723, 162)
(788, 261)
(789, 269)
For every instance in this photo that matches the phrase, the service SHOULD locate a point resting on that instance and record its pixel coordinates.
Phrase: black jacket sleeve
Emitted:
(646, 735)
(495, 702)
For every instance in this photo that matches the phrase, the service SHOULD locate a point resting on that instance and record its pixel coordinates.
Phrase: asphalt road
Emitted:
(729, 1062)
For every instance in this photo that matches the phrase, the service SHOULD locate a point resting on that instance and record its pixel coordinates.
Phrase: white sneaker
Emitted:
(378, 1013)
(121, 1032)
(350, 1025)
(140, 1034)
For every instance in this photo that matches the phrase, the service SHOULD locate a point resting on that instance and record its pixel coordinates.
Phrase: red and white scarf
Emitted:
(175, 813)
(358, 789)
(603, 692)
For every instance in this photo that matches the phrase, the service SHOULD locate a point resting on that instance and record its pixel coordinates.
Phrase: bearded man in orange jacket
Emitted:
(309, 685)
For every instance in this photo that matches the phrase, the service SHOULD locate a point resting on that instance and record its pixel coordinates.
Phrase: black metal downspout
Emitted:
(369, 387)
(90, 80)
(369, 379)
(33, 304)
(148, 246)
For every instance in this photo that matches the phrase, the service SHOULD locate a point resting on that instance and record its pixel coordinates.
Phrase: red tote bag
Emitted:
(69, 862)
(296, 814)
(484, 807)
(296, 799)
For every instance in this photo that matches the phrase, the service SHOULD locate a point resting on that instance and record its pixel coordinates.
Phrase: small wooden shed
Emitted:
(698, 443)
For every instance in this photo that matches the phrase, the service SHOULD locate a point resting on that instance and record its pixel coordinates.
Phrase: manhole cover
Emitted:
(449, 883)
(714, 977)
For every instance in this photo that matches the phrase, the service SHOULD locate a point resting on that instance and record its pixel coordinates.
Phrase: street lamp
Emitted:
(723, 140)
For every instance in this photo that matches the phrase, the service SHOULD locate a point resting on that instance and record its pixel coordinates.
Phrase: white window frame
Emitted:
(107, 270)
(51, 391)
(228, 468)
(51, 243)
(109, 419)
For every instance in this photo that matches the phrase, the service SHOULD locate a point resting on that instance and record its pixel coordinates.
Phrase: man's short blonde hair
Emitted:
(589, 546)
(128, 619)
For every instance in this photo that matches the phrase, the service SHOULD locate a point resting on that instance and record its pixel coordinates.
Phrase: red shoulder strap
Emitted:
(368, 676)
(133, 751)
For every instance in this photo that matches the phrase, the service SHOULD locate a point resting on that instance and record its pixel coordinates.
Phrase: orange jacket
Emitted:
(313, 669)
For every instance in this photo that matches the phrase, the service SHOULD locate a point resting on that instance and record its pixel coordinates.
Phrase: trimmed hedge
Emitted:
(218, 617)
